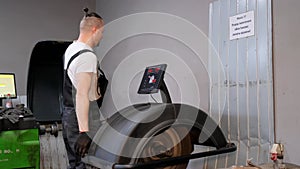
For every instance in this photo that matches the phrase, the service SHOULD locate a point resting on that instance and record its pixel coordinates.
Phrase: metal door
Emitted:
(241, 86)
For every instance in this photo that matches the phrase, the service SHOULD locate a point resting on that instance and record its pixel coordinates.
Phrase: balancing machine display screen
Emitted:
(152, 79)
(7, 85)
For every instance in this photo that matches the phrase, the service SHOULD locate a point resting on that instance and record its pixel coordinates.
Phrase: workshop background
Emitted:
(275, 52)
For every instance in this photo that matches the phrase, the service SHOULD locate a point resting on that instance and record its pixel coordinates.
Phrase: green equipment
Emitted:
(19, 142)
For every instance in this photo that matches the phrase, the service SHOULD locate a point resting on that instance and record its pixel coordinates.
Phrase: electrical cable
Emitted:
(153, 98)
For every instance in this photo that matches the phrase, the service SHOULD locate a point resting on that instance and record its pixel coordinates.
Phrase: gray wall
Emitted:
(166, 40)
(286, 75)
(24, 23)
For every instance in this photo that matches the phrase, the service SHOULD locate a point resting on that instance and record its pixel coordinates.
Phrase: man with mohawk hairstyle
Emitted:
(80, 90)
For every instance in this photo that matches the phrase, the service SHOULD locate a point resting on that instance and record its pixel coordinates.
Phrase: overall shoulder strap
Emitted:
(77, 54)
(101, 71)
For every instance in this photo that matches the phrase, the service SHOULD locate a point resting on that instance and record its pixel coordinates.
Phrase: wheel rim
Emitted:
(165, 145)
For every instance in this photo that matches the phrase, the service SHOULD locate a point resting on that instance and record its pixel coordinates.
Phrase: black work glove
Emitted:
(82, 144)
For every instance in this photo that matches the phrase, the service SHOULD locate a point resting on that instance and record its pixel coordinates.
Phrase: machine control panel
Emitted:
(152, 79)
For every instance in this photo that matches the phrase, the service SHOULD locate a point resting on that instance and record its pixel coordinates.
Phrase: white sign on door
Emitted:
(241, 26)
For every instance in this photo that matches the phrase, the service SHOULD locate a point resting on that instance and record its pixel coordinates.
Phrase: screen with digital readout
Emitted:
(152, 79)
(7, 85)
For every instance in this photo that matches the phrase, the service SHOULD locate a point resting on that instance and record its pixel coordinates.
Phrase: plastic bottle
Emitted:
(8, 102)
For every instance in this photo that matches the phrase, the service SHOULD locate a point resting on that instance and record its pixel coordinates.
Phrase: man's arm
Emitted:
(82, 100)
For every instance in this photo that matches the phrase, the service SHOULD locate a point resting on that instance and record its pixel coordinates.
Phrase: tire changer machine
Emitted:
(155, 135)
